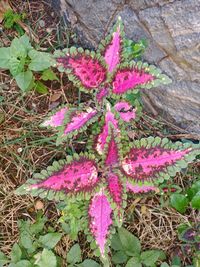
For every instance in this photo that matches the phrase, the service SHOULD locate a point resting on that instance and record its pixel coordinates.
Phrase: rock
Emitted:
(172, 28)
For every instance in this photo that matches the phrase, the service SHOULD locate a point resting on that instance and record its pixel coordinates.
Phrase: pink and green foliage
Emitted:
(79, 175)
(56, 119)
(100, 219)
(126, 112)
(115, 166)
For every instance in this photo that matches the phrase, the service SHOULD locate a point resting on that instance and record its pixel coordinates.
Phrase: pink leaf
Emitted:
(56, 119)
(137, 188)
(79, 175)
(115, 188)
(100, 219)
(126, 112)
(112, 155)
(79, 119)
(112, 53)
(88, 70)
(144, 163)
(101, 140)
(101, 94)
(125, 80)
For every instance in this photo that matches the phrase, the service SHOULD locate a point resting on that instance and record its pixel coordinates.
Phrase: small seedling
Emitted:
(23, 62)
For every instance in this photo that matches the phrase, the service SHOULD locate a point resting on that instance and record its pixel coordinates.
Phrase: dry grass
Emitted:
(25, 148)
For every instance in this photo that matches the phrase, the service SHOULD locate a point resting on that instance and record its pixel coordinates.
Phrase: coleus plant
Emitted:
(112, 166)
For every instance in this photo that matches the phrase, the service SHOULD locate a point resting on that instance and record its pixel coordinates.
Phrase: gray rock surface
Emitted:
(172, 28)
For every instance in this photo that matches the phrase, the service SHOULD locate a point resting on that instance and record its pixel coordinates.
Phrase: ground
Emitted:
(26, 148)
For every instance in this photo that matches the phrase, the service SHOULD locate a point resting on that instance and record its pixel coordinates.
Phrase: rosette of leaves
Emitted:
(113, 167)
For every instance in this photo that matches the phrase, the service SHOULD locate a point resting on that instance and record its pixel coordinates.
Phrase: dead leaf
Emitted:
(144, 210)
(4, 6)
(55, 97)
(39, 205)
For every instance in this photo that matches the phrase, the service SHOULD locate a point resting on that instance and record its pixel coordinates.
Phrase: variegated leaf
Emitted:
(84, 68)
(112, 153)
(100, 219)
(111, 47)
(72, 176)
(102, 137)
(101, 94)
(76, 122)
(155, 158)
(56, 118)
(126, 111)
(137, 75)
(139, 188)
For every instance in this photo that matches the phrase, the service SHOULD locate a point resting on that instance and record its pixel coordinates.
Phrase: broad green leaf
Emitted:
(50, 240)
(74, 255)
(116, 243)
(176, 261)
(49, 75)
(26, 240)
(119, 257)
(89, 263)
(196, 201)
(130, 243)
(25, 41)
(3, 259)
(17, 48)
(150, 257)
(41, 88)
(16, 253)
(47, 259)
(134, 262)
(39, 60)
(16, 66)
(179, 202)
(4, 57)
(38, 226)
(23, 263)
(24, 80)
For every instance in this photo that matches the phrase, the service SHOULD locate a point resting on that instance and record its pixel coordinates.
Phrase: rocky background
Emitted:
(172, 28)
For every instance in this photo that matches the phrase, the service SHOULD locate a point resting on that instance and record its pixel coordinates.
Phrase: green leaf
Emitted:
(196, 201)
(47, 258)
(164, 264)
(16, 66)
(74, 255)
(130, 243)
(16, 253)
(119, 257)
(116, 243)
(24, 80)
(38, 226)
(150, 257)
(176, 261)
(39, 60)
(25, 41)
(17, 48)
(41, 88)
(49, 75)
(26, 240)
(134, 261)
(179, 202)
(24, 263)
(3, 259)
(89, 263)
(4, 57)
(50, 240)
